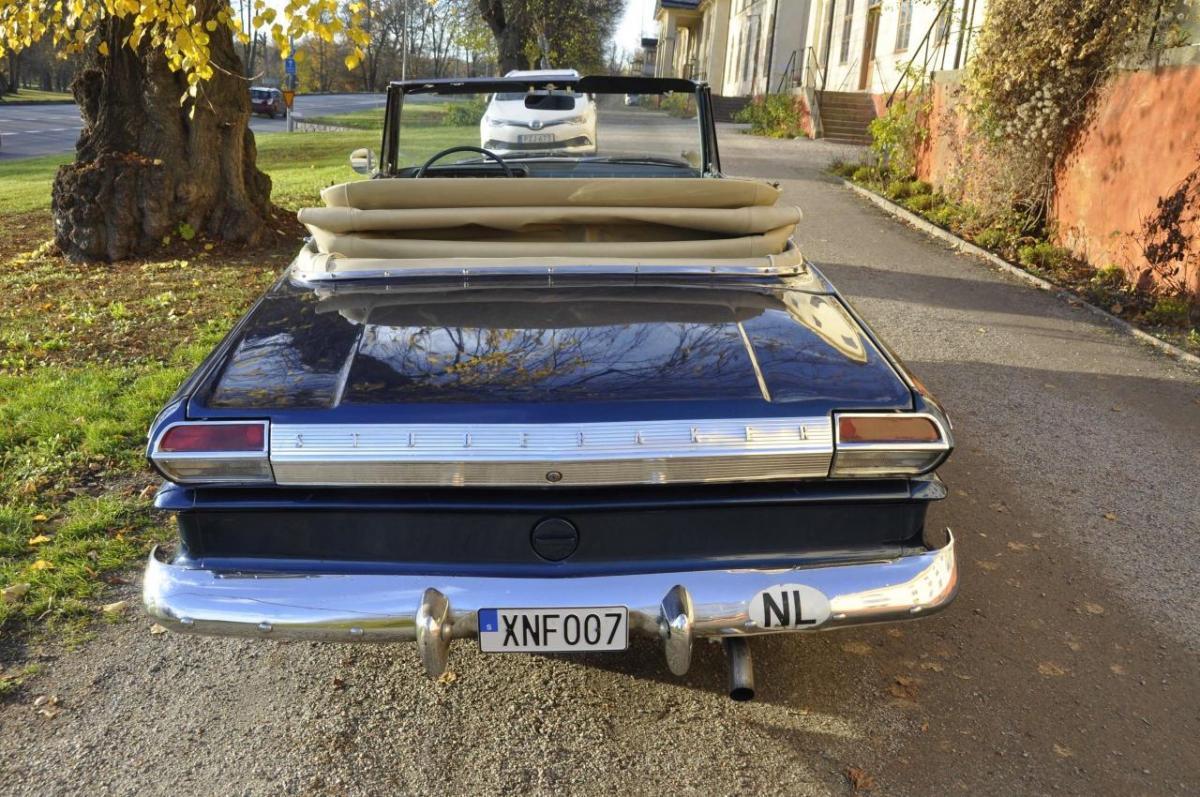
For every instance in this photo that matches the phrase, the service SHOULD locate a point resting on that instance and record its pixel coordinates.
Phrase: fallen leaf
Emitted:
(1018, 546)
(857, 648)
(904, 687)
(1051, 670)
(998, 506)
(157, 629)
(42, 564)
(14, 592)
(40, 518)
(338, 682)
(935, 666)
(1075, 646)
(1117, 669)
(39, 539)
(48, 713)
(1116, 309)
(1063, 752)
(148, 491)
(895, 633)
(115, 608)
(985, 565)
(860, 780)
(41, 700)
(1093, 608)
(447, 678)
(1110, 516)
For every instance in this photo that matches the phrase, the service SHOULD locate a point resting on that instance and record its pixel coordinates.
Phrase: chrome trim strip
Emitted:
(170, 462)
(316, 277)
(648, 452)
(758, 374)
(389, 608)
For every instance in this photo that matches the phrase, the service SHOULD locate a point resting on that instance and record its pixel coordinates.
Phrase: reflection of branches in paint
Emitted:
(553, 360)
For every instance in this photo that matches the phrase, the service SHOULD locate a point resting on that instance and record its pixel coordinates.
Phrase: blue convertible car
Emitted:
(550, 402)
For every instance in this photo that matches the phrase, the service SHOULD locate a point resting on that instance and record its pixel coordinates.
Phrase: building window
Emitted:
(847, 26)
(942, 33)
(903, 25)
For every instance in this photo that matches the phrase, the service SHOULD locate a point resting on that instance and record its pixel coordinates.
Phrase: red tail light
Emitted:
(214, 437)
(887, 429)
(199, 452)
(889, 444)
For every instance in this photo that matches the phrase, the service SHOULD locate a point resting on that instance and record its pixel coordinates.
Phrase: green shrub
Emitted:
(464, 114)
(1044, 255)
(947, 215)
(898, 189)
(844, 168)
(917, 187)
(863, 174)
(679, 105)
(920, 203)
(774, 115)
(1170, 311)
(898, 135)
(992, 238)
(1111, 276)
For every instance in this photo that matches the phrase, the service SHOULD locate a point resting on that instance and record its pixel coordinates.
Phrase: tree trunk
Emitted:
(143, 169)
(509, 28)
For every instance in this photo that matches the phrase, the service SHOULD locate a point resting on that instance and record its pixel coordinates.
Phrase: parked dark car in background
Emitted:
(550, 402)
(267, 101)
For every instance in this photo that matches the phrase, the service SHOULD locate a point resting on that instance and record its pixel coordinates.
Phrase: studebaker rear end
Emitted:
(550, 412)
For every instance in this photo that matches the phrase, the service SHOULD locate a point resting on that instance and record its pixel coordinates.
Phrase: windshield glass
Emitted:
(559, 123)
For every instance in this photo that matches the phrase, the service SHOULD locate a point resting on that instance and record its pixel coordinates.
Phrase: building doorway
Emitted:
(869, 38)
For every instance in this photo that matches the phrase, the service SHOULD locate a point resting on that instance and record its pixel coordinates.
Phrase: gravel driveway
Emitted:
(1068, 664)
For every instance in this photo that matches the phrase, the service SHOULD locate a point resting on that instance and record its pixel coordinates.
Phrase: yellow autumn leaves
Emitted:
(179, 27)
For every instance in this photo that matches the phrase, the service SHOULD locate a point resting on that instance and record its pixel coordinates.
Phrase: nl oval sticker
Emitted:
(789, 606)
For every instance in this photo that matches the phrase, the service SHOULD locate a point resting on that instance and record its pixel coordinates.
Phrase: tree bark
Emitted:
(143, 169)
(509, 30)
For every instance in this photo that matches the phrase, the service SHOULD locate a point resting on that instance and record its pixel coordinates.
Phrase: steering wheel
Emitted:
(508, 172)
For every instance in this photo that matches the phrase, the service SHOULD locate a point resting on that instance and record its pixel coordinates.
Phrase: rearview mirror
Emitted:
(362, 160)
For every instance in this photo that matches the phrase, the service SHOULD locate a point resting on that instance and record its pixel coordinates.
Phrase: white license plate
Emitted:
(536, 138)
(553, 630)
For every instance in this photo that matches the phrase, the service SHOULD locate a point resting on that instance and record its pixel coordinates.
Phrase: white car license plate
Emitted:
(553, 630)
(536, 138)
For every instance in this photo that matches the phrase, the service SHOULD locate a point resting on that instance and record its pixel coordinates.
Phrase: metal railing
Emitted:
(925, 51)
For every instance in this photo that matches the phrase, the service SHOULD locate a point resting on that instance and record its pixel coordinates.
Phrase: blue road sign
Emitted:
(289, 65)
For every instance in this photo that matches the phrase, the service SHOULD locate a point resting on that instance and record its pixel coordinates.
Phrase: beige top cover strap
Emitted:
(477, 192)
(731, 221)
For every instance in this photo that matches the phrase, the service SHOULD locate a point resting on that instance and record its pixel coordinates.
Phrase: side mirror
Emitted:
(362, 160)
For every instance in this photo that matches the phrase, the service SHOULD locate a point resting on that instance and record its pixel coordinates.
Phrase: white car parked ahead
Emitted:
(549, 121)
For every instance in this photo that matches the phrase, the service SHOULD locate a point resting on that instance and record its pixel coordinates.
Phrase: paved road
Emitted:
(1068, 664)
(28, 130)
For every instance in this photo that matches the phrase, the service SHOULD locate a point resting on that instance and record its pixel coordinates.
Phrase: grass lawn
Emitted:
(36, 95)
(88, 355)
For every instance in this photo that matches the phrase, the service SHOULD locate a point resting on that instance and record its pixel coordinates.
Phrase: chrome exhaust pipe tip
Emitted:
(741, 668)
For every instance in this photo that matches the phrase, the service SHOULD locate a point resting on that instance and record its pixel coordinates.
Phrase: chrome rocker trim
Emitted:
(674, 608)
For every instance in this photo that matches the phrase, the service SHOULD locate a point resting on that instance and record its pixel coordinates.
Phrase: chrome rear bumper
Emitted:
(673, 607)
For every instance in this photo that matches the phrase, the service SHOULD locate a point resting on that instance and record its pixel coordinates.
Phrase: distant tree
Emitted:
(570, 34)
(166, 144)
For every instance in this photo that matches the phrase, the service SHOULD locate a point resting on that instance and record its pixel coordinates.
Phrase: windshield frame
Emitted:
(591, 84)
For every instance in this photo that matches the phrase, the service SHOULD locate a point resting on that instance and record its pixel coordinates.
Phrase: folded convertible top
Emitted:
(455, 220)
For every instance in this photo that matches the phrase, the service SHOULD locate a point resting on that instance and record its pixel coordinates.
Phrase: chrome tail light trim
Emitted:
(214, 467)
(873, 460)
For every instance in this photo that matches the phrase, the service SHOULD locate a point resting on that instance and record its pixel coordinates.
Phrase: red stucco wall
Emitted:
(1142, 141)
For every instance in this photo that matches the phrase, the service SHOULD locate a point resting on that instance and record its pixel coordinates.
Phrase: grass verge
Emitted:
(36, 95)
(88, 355)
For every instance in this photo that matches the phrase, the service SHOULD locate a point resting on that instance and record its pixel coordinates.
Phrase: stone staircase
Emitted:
(845, 116)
